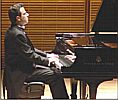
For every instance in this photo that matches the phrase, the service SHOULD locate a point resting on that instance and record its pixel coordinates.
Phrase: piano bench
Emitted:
(32, 90)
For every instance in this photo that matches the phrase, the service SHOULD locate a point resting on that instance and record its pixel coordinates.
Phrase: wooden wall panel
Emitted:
(48, 17)
(94, 8)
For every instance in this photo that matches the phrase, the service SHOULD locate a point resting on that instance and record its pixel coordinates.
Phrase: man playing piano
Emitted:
(24, 62)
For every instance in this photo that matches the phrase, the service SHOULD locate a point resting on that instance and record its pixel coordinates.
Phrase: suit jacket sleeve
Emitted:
(44, 54)
(28, 52)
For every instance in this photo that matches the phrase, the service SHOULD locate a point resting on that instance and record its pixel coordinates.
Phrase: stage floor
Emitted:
(106, 90)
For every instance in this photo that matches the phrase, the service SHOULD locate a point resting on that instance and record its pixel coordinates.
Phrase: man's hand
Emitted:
(52, 55)
(53, 58)
(56, 70)
(71, 57)
(54, 61)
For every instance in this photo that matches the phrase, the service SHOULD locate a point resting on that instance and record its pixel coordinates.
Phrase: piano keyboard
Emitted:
(65, 61)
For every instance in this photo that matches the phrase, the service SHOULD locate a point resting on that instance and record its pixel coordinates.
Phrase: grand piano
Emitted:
(97, 61)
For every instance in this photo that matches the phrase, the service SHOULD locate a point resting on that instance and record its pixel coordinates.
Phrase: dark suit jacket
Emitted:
(20, 59)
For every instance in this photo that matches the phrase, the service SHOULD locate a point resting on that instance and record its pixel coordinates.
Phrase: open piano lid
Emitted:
(107, 18)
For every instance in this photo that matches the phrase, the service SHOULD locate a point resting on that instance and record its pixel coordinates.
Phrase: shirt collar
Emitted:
(22, 27)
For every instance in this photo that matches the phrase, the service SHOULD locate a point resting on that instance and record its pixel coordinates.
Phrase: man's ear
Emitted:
(18, 18)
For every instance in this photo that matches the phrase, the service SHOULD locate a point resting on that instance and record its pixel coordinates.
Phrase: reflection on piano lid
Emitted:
(107, 18)
(71, 35)
(76, 39)
(113, 38)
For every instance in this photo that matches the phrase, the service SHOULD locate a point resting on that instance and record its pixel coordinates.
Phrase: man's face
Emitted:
(23, 19)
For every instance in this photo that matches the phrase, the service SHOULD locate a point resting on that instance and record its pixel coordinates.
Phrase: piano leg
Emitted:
(93, 90)
(83, 90)
(93, 84)
(73, 88)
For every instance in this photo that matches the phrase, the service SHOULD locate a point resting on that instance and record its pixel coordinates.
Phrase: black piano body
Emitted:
(94, 64)
(92, 60)
(98, 61)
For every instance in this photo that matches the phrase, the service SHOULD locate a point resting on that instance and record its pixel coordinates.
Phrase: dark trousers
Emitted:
(54, 79)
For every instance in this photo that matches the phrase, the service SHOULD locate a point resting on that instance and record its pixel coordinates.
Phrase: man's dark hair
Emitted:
(14, 11)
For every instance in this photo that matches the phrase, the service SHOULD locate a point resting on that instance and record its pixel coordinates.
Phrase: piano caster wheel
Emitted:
(73, 96)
